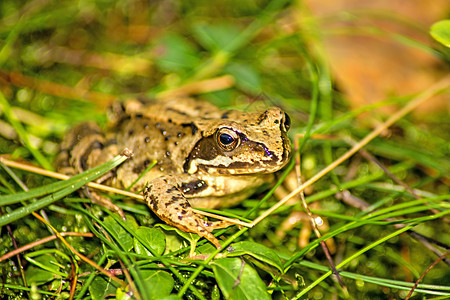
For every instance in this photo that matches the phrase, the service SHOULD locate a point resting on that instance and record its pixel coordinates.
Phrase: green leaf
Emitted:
(45, 260)
(171, 297)
(238, 281)
(259, 252)
(178, 54)
(157, 283)
(101, 287)
(153, 237)
(123, 294)
(119, 233)
(440, 31)
(216, 37)
(191, 237)
(38, 272)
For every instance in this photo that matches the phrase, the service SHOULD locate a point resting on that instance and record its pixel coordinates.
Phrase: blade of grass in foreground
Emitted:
(24, 136)
(396, 284)
(40, 191)
(70, 186)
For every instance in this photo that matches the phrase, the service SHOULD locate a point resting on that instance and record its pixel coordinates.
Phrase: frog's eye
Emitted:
(227, 139)
(287, 122)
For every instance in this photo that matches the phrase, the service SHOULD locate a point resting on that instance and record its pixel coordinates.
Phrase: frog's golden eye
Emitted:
(227, 139)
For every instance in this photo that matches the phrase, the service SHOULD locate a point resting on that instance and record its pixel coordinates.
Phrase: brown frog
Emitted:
(205, 157)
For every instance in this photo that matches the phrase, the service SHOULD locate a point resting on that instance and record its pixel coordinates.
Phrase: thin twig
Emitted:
(425, 273)
(314, 223)
(40, 242)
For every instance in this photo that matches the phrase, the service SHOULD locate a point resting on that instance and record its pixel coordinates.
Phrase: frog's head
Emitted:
(242, 143)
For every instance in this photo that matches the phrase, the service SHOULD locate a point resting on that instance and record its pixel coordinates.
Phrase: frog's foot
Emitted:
(163, 195)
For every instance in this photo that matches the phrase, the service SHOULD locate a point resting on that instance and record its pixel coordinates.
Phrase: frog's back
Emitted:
(159, 133)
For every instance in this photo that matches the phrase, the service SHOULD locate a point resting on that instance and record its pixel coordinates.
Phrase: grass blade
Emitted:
(70, 186)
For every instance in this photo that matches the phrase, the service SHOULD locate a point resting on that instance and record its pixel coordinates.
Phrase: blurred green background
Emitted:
(338, 68)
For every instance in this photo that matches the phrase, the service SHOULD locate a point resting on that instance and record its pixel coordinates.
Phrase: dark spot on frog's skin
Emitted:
(193, 187)
(169, 120)
(146, 162)
(179, 134)
(183, 204)
(146, 126)
(225, 115)
(167, 137)
(176, 111)
(110, 142)
(152, 201)
(122, 120)
(130, 132)
(96, 145)
(163, 131)
(265, 133)
(193, 127)
(139, 168)
(167, 204)
(172, 189)
(262, 117)
(177, 199)
(276, 121)
(147, 139)
(139, 116)
(167, 154)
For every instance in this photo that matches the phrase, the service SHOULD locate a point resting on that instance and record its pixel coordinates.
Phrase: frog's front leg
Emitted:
(165, 197)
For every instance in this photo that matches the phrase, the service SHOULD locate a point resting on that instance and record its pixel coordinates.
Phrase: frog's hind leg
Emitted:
(164, 196)
(84, 147)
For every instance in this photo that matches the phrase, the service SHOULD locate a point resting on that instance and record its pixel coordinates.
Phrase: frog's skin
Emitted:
(205, 157)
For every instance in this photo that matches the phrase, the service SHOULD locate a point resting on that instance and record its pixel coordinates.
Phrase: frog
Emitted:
(203, 156)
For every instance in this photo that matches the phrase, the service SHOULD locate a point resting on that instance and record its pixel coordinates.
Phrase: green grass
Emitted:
(63, 62)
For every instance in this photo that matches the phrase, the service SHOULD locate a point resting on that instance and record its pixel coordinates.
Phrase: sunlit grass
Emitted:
(62, 63)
